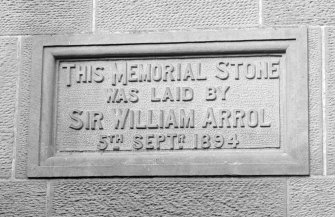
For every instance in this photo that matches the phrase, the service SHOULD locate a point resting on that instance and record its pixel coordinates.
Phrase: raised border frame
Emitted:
(292, 159)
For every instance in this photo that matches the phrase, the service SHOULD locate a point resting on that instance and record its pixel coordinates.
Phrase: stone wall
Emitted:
(21, 20)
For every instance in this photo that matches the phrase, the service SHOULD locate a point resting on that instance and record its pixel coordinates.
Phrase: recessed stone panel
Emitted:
(214, 103)
(169, 104)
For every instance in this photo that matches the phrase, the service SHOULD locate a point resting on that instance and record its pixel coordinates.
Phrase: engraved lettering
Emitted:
(223, 70)
(68, 72)
(237, 69)
(252, 117)
(224, 116)
(132, 72)
(153, 95)
(178, 72)
(210, 119)
(133, 95)
(81, 74)
(262, 119)
(188, 73)
(250, 71)
(78, 122)
(150, 119)
(187, 94)
(137, 143)
(118, 95)
(103, 144)
(97, 75)
(274, 70)
(210, 93)
(213, 92)
(121, 96)
(157, 72)
(148, 141)
(161, 119)
(167, 95)
(219, 141)
(262, 70)
(198, 74)
(119, 73)
(159, 139)
(111, 94)
(96, 118)
(171, 120)
(121, 117)
(145, 74)
(131, 119)
(186, 121)
(181, 140)
(172, 137)
(223, 91)
(168, 70)
(205, 141)
(91, 120)
(138, 124)
(238, 116)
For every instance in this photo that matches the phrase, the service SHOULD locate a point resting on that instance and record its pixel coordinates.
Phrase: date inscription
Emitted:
(169, 104)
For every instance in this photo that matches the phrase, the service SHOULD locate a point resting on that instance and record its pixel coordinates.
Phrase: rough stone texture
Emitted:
(23, 108)
(45, 17)
(22, 199)
(169, 197)
(299, 12)
(6, 153)
(312, 197)
(136, 15)
(315, 100)
(8, 79)
(330, 99)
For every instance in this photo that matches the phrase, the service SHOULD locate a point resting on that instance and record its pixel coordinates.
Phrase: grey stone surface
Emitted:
(6, 153)
(23, 108)
(127, 15)
(169, 197)
(311, 197)
(315, 100)
(22, 198)
(8, 80)
(38, 16)
(299, 12)
(330, 99)
(77, 146)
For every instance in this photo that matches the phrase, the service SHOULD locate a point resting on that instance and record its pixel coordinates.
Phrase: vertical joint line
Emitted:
(93, 15)
(324, 129)
(16, 108)
(260, 13)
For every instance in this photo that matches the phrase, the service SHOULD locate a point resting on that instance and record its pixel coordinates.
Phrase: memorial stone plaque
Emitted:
(170, 104)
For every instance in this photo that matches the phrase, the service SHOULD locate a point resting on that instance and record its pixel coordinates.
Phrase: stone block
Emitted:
(299, 12)
(311, 197)
(8, 80)
(45, 17)
(6, 153)
(125, 16)
(23, 108)
(169, 197)
(315, 100)
(330, 99)
(22, 198)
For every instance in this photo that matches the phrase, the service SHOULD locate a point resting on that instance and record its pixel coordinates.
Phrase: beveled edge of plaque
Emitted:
(292, 160)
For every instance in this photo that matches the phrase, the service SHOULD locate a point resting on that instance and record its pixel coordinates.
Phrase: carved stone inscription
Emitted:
(169, 104)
